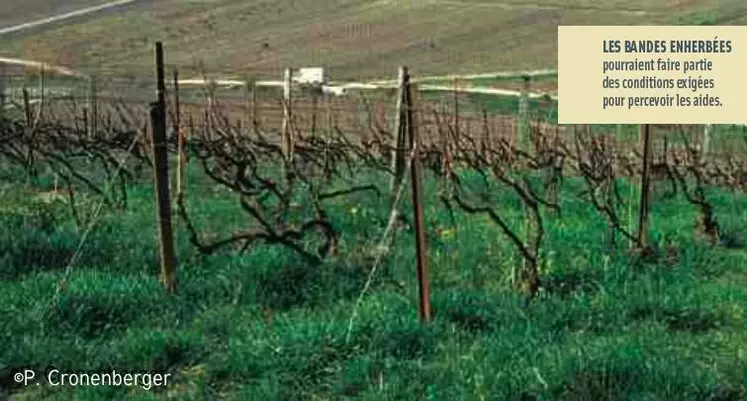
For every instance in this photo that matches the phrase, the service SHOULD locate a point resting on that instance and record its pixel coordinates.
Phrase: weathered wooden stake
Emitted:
(2, 90)
(248, 119)
(42, 82)
(707, 129)
(191, 123)
(485, 142)
(207, 125)
(287, 132)
(27, 107)
(92, 107)
(645, 185)
(314, 110)
(456, 113)
(255, 109)
(446, 144)
(328, 111)
(416, 176)
(161, 177)
(400, 138)
(180, 141)
(327, 136)
(177, 108)
(524, 112)
(188, 139)
(86, 125)
(29, 124)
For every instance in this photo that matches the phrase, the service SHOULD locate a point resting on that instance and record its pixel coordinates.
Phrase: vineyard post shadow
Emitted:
(161, 177)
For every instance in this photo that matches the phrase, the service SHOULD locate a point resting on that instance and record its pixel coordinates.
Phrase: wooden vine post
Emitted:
(446, 147)
(287, 140)
(2, 90)
(485, 145)
(27, 108)
(92, 107)
(400, 138)
(524, 112)
(181, 153)
(161, 177)
(456, 122)
(645, 185)
(707, 130)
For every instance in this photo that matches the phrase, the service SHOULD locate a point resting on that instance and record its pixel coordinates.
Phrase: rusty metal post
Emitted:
(161, 177)
(416, 175)
(645, 185)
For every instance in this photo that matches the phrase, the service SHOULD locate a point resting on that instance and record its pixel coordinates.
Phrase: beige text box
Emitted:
(642, 62)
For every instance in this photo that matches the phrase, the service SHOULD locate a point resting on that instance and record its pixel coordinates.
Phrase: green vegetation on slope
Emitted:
(265, 326)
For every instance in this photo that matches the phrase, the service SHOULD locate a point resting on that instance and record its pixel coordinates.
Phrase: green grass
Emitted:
(266, 326)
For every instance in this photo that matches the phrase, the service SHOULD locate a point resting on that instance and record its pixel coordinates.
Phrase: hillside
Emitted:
(18, 12)
(353, 38)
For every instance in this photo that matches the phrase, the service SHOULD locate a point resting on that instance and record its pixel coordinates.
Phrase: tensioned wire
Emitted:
(62, 284)
(381, 245)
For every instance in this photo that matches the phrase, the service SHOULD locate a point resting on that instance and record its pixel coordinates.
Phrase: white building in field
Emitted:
(316, 76)
(311, 75)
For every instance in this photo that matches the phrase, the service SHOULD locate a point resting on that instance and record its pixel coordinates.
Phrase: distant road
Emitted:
(485, 75)
(41, 66)
(340, 87)
(62, 17)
